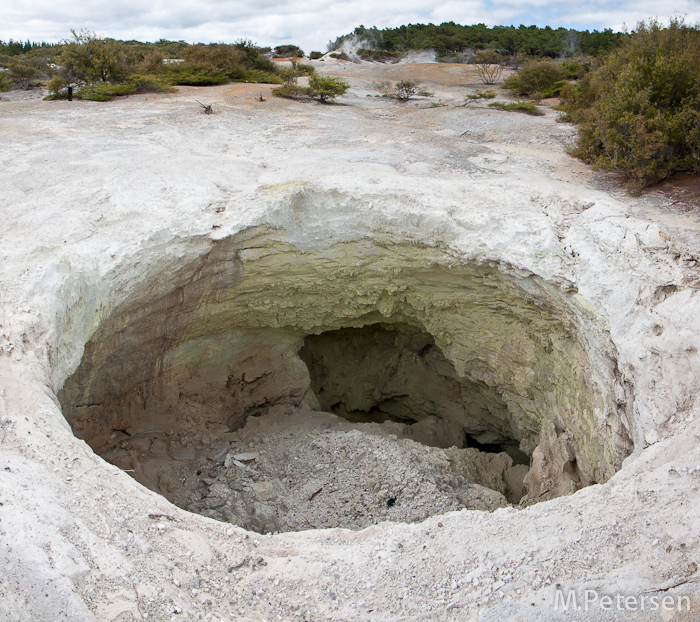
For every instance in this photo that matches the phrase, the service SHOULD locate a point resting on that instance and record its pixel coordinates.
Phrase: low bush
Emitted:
(148, 84)
(192, 75)
(325, 88)
(303, 70)
(341, 56)
(525, 107)
(537, 79)
(405, 89)
(5, 81)
(577, 68)
(477, 94)
(104, 92)
(488, 66)
(315, 55)
(257, 76)
(290, 74)
(292, 91)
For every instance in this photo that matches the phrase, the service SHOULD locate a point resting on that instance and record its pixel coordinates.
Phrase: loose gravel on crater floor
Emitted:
(292, 470)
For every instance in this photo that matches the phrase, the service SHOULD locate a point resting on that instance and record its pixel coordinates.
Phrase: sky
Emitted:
(308, 24)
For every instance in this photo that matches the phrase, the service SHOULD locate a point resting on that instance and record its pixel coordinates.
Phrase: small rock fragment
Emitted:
(246, 457)
(264, 491)
(143, 544)
(218, 456)
(188, 453)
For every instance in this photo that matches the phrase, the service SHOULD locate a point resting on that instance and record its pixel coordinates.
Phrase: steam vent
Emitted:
(305, 362)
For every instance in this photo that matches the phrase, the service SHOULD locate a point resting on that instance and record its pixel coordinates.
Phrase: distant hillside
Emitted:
(450, 38)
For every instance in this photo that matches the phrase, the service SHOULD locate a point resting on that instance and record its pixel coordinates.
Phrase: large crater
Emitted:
(256, 383)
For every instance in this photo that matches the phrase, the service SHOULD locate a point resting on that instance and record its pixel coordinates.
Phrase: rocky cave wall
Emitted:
(218, 338)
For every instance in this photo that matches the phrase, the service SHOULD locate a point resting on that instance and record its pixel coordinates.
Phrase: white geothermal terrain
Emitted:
(365, 361)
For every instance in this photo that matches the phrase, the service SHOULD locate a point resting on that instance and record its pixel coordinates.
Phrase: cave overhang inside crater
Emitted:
(501, 357)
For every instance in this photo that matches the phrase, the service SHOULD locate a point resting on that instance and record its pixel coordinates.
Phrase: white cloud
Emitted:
(310, 25)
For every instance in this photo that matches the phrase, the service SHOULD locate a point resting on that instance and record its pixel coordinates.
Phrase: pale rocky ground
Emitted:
(107, 207)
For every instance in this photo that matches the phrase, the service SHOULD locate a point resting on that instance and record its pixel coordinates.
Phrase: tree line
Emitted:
(451, 38)
(17, 48)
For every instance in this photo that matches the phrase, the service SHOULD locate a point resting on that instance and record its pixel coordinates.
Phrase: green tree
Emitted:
(325, 88)
(86, 59)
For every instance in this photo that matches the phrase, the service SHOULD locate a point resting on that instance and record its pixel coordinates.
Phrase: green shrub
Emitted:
(325, 88)
(526, 107)
(226, 59)
(303, 70)
(212, 64)
(578, 98)
(292, 91)
(478, 94)
(542, 78)
(56, 84)
(288, 51)
(192, 75)
(405, 89)
(575, 69)
(24, 72)
(5, 81)
(315, 55)
(151, 62)
(254, 57)
(341, 56)
(104, 92)
(134, 84)
(148, 84)
(639, 112)
(257, 76)
(290, 74)
(88, 59)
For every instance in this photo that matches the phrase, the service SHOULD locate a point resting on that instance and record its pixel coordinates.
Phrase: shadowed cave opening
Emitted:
(256, 386)
(381, 373)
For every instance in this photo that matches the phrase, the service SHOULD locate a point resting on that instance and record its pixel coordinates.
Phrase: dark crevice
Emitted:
(395, 372)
